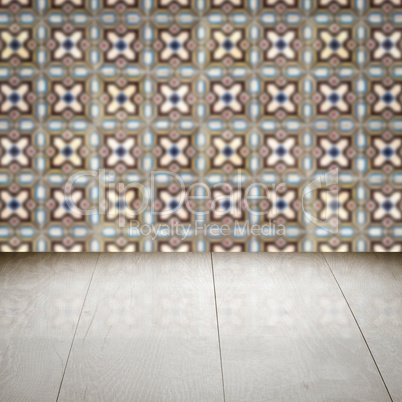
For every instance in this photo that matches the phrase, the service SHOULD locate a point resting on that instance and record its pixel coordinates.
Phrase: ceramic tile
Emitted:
(229, 125)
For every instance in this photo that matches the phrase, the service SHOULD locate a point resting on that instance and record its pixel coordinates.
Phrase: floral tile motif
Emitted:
(200, 125)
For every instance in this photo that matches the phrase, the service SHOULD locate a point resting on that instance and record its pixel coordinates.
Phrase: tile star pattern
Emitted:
(269, 93)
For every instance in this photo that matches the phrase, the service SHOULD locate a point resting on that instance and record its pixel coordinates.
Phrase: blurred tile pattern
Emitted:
(214, 91)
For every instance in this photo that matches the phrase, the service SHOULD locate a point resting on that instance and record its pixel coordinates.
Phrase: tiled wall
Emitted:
(265, 92)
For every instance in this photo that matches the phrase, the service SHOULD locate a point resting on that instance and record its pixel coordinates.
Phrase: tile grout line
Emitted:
(358, 326)
(217, 326)
(76, 327)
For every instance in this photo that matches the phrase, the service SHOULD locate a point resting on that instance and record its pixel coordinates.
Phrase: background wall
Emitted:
(221, 93)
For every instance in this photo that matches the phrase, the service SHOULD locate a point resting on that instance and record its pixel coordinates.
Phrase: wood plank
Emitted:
(372, 284)
(41, 297)
(287, 333)
(148, 332)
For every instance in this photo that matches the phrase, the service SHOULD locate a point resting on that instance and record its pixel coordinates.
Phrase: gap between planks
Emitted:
(76, 327)
(358, 326)
(217, 326)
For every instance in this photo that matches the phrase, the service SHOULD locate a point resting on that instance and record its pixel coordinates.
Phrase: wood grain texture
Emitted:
(287, 333)
(41, 297)
(372, 284)
(147, 333)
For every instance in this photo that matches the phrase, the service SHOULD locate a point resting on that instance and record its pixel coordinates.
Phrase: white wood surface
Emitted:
(41, 297)
(372, 284)
(148, 332)
(287, 333)
(148, 329)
